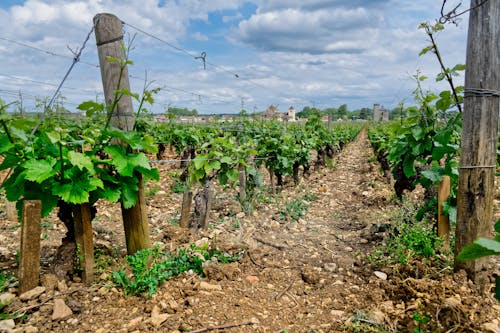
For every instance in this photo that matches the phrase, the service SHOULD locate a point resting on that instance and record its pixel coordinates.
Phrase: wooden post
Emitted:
(187, 199)
(29, 265)
(10, 210)
(479, 131)
(135, 222)
(242, 181)
(109, 37)
(443, 220)
(84, 240)
(202, 206)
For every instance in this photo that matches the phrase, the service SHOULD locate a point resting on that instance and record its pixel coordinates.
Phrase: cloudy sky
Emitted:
(286, 52)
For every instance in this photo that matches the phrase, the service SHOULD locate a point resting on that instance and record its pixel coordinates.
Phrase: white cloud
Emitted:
(287, 51)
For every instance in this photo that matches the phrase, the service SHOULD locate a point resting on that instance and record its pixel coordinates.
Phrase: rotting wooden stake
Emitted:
(443, 220)
(187, 200)
(10, 210)
(84, 240)
(29, 265)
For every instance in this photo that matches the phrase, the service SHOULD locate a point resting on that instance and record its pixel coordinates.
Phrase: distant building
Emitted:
(273, 113)
(290, 116)
(379, 113)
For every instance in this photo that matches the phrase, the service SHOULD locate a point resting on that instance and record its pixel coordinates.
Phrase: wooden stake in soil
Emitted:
(242, 181)
(187, 200)
(479, 131)
(84, 241)
(29, 266)
(202, 205)
(10, 210)
(443, 220)
(109, 37)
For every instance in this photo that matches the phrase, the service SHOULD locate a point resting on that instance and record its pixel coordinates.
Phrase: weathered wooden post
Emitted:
(187, 200)
(84, 240)
(479, 131)
(443, 227)
(29, 265)
(10, 210)
(109, 37)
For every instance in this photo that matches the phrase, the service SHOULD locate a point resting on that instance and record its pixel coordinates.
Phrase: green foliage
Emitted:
(63, 158)
(407, 240)
(483, 247)
(179, 186)
(181, 111)
(150, 267)
(5, 281)
(310, 197)
(294, 210)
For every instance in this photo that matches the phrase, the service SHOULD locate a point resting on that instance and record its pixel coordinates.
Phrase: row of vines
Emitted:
(64, 160)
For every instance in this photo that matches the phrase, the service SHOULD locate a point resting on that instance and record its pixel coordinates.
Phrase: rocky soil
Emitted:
(310, 275)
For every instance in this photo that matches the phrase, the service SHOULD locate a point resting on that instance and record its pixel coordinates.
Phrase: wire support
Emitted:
(478, 167)
(54, 54)
(479, 92)
(76, 59)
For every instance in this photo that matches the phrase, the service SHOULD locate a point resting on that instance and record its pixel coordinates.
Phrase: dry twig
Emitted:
(277, 297)
(265, 242)
(252, 321)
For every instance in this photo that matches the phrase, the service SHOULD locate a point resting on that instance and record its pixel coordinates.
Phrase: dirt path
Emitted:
(296, 276)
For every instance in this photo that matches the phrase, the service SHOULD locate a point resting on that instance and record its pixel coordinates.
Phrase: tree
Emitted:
(342, 111)
(181, 111)
(365, 113)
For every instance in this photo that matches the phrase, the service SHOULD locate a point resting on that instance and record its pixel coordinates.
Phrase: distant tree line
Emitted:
(343, 112)
(176, 111)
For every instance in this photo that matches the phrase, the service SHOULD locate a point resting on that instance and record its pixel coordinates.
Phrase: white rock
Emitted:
(337, 313)
(61, 311)
(30, 329)
(6, 299)
(493, 327)
(210, 287)
(32, 294)
(380, 275)
(7, 325)
(62, 286)
(240, 215)
(134, 322)
(158, 318)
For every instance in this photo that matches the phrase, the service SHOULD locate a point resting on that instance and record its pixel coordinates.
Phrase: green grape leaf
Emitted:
(212, 165)
(129, 192)
(39, 170)
(110, 194)
(481, 247)
(81, 161)
(408, 166)
(433, 175)
(77, 192)
(91, 107)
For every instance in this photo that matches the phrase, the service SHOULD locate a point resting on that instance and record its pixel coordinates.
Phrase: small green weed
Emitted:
(46, 224)
(150, 267)
(293, 209)
(421, 320)
(175, 220)
(152, 191)
(5, 281)
(310, 197)
(179, 186)
(236, 224)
